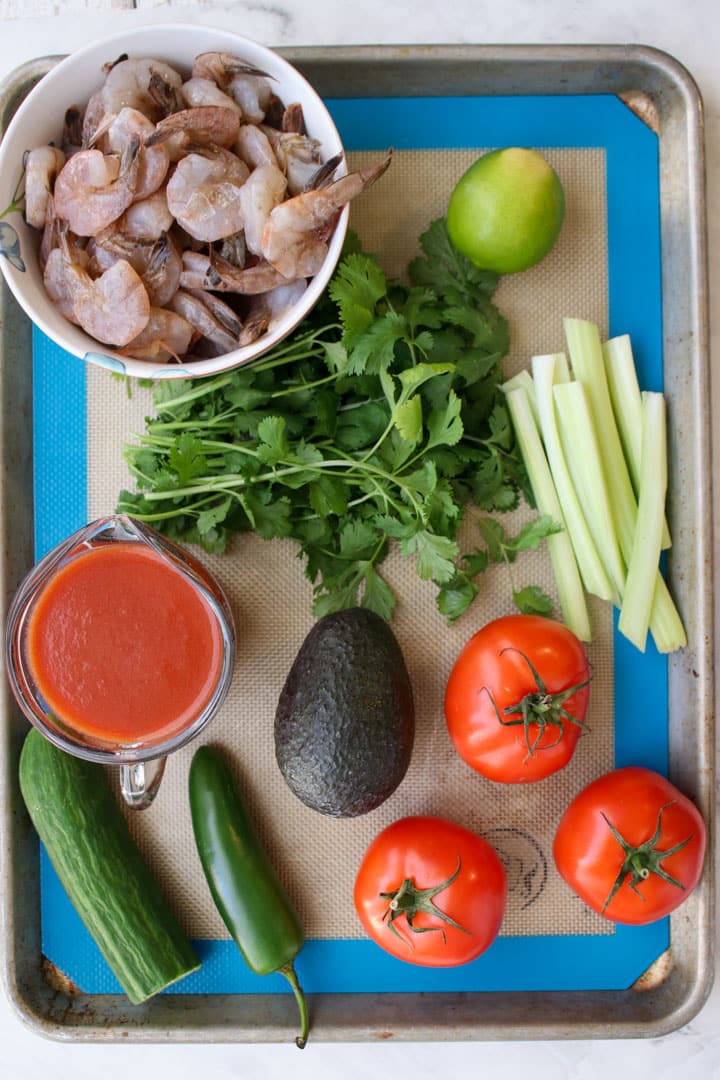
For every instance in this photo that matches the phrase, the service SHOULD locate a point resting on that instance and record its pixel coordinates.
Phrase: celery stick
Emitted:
(522, 381)
(642, 570)
(592, 570)
(582, 454)
(627, 407)
(567, 576)
(586, 359)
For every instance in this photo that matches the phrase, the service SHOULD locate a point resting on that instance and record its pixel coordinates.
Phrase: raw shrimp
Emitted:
(234, 249)
(197, 92)
(222, 67)
(55, 282)
(113, 308)
(158, 262)
(263, 190)
(253, 93)
(203, 194)
(150, 86)
(92, 190)
(203, 272)
(254, 147)
(268, 308)
(297, 155)
(293, 119)
(205, 323)
(72, 140)
(41, 167)
(295, 237)
(166, 336)
(205, 125)
(154, 160)
(281, 299)
(148, 218)
(220, 310)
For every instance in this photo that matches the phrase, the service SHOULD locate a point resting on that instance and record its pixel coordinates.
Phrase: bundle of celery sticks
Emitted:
(595, 450)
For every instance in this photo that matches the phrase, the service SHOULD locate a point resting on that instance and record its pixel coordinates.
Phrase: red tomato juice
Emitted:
(122, 647)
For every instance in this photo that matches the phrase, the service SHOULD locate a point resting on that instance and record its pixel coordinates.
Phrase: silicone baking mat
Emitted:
(605, 267)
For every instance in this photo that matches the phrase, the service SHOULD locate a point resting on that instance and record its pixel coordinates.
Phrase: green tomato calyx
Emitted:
(642, 861)
(540, 709)
(409, 901)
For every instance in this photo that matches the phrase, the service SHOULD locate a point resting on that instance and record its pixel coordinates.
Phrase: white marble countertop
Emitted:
(690, 31)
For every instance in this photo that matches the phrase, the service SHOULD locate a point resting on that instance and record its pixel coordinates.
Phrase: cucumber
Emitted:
(88, 842)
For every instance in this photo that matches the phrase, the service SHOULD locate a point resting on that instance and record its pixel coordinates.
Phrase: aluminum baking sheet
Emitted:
(664, 96)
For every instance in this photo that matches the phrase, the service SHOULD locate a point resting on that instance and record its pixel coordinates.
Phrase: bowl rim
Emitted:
(94, 352)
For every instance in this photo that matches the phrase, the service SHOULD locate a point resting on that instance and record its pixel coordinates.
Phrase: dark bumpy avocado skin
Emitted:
(345, 720)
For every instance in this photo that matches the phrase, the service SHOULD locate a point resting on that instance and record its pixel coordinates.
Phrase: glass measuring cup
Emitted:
(120, 648)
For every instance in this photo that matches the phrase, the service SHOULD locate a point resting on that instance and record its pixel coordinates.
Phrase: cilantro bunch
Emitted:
(378, 421)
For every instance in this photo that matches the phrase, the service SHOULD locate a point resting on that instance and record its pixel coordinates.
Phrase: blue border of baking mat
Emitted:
(562, 962)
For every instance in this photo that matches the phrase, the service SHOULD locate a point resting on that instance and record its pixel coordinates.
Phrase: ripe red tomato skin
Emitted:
(426, 849)
(589, 857)
(500, 752)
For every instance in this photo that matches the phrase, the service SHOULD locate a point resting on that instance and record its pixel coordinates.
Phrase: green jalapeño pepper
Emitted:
(246, 890)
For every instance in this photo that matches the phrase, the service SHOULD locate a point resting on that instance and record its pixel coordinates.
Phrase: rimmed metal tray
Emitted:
(665, 96)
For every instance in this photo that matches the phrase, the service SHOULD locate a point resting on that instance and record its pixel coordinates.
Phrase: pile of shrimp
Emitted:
(181, 217)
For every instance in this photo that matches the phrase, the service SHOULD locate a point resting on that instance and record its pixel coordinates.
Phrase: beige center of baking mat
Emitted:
(317, 856)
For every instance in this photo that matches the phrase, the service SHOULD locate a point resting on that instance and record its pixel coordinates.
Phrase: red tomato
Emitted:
(507, 705)
(631, 846)
(431, 892)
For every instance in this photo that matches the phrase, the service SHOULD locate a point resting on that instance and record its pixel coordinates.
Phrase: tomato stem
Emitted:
(539, 708)
(409, 901)
(643, 860)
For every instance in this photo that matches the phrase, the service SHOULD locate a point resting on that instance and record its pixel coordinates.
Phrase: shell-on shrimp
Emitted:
(148, 218)
(297, 155)
(206, 272)
(204, 321)
(204, 125)
(165, 337)
(152, 87)
(72, 140)
(266, 309)
(263, 190)
(158, 262)
(220, 310)
(41, 167)
(254, 147)
(154, 162)
(203, 194)
(113, 308)
(222, 67)
(254, 95)
(198, 92)
(295, 238)
(93, 189)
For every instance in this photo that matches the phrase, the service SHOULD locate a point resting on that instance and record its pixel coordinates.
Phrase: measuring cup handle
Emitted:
(136, 790)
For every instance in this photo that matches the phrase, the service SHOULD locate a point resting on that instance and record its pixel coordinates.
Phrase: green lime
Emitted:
(506, 211)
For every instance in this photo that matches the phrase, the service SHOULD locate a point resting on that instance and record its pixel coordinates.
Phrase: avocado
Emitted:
(345, 719)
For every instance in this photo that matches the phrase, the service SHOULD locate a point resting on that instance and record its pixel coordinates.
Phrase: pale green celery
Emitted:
(567, 576)
(634, 619)
(523, 380)
(586, 359)
(582, 454)
(624, 389)
(545, 375)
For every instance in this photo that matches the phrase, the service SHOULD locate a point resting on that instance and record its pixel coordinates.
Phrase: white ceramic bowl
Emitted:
(39, 120)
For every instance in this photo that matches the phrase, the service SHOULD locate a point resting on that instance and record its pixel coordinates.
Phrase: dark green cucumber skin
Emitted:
(244, 885)
(111, 887)
(345, 718)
